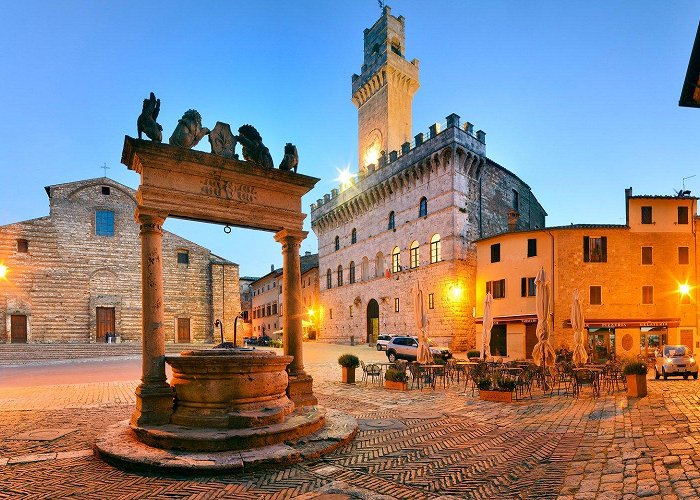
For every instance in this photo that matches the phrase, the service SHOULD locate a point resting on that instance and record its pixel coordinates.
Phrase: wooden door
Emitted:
(687, 338)
(183, 330)
(530, 339)
(105, 323)
(18, 329)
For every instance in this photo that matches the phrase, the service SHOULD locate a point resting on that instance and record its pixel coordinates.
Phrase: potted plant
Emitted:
(496, 389)
(473, 355)
(395, 379)
(636, 374)
(349, 362)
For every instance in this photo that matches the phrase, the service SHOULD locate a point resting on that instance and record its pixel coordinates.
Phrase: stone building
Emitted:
(636, 282)
(75, 275)
(412, 212)
(268, 299)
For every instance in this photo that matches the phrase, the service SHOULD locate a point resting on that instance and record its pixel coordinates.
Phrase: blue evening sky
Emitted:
(580, 99)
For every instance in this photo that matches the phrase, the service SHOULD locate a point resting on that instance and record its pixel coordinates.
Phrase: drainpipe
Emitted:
(552, 279)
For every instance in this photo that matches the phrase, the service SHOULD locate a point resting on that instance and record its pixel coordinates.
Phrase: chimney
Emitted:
(628, 195)
(513, 217)
(307, 253)
(272, 267)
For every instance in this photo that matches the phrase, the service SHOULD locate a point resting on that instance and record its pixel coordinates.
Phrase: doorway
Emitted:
(183, 331)
(372, 322)
(18, 329)
(499, 341)
(602, 344)
(105, 323)
(530, 339)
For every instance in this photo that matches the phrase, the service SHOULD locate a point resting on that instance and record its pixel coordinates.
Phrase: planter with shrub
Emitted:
(395, 379)
(636, 374)
(474, 355)
(349, 362)
(496, 389)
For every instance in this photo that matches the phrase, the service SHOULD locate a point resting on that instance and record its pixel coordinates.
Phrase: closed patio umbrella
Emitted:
(488, 324)
(542, 353)
(424, 355)
(577, 323)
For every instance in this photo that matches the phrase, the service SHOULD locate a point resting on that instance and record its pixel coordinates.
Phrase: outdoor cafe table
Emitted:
(430, 371)
(465, 365)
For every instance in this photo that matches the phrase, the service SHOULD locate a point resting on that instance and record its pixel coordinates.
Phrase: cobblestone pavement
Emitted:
(439, 443)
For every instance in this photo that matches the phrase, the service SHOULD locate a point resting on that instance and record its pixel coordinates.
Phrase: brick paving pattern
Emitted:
(418, 444)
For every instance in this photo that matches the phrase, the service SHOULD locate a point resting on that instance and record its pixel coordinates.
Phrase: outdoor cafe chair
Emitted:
(370, 371)
(564, 379)
(584, 377)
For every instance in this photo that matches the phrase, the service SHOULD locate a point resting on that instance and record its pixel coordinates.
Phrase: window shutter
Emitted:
(604, 248)
(523, 287)
(586, 257)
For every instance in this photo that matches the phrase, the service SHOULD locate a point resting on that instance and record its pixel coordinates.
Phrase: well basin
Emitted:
(229, 388)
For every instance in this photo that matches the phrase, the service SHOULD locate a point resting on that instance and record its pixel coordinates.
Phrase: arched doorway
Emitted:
(372, 322)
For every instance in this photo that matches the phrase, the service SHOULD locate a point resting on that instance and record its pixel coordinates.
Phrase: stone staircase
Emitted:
(17, 354)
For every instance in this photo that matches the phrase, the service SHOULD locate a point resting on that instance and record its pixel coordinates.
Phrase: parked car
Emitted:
(401, 347)
(675, 360)
(383, 340)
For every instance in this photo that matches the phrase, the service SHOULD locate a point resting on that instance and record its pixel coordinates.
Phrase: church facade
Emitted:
(411, 214)
(75, 275)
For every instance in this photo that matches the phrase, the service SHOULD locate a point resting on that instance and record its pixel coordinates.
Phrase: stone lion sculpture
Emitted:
(291, 158)
(189, 130)
(253, 148)
(146, 123)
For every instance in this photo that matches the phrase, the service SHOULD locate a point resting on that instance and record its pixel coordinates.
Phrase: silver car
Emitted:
(675, 360)
(383, 340)
(407, 348)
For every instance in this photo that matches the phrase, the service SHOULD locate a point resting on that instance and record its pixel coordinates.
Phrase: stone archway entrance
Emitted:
(372, 322)
(182, 183)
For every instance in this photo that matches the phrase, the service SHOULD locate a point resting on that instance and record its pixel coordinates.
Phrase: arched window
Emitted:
(435, 251)
(414, 255)
(379, 265)
(337, 243)
(340, 275)
(352, 272)
(353, 236)
(329, 279)
(396, 260)
(423, 209)
(365, 269)
(392, 225)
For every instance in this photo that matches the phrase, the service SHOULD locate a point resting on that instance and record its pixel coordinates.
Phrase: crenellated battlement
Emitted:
(423, 145)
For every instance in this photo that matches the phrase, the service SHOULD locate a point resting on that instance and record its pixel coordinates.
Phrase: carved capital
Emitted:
(290, 239)
(150, 223)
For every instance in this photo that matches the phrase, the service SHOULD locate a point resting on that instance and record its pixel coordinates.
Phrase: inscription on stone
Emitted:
(228, 190)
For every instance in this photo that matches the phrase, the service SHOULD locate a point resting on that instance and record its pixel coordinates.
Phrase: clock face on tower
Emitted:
(374, 148)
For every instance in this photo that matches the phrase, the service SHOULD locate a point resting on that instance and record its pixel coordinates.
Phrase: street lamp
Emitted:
(684, 289)
(3, 271)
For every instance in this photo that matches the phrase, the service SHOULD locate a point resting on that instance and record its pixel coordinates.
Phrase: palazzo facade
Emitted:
(411, 213)
(636, 281)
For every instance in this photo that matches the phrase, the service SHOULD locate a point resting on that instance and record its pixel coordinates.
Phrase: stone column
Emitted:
(300, 388)
(154, 397)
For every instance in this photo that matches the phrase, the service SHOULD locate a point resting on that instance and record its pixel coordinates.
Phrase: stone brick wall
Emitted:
(226, 301)
(69, 270)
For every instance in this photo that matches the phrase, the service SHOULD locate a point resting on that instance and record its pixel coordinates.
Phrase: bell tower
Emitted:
(383, 92)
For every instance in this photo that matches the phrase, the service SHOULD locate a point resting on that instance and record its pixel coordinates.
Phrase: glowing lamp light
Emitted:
(310, 312)
(455, 292)
(684, 288)
(371, 156)
(3, 271)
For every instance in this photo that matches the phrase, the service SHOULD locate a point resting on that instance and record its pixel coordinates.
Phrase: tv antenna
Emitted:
(683, 191)
(105, 167)
(381, 4)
